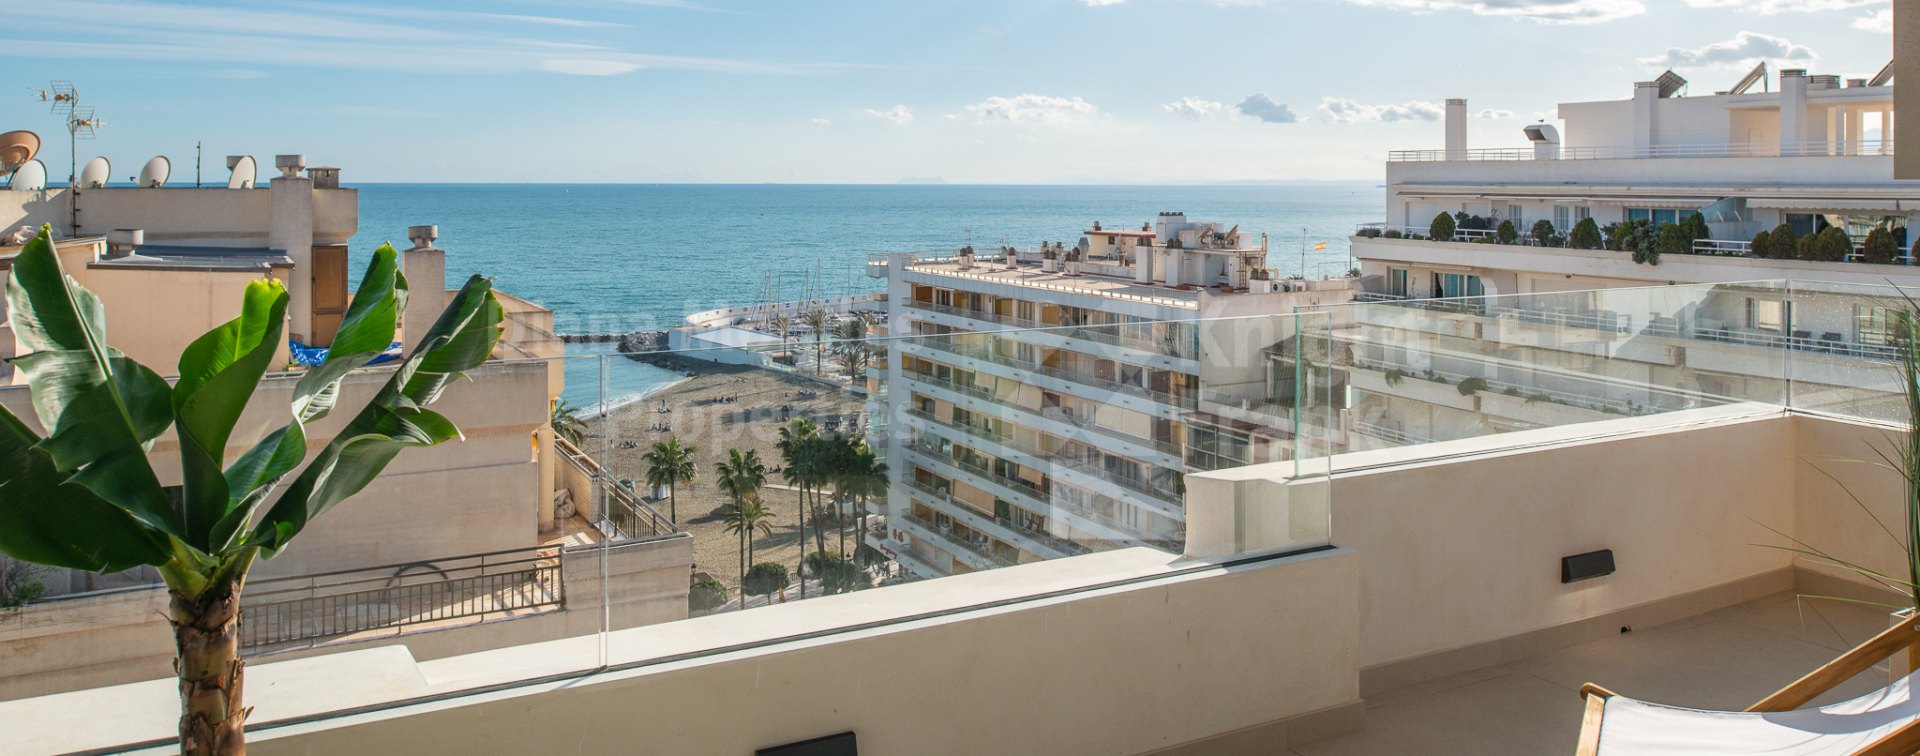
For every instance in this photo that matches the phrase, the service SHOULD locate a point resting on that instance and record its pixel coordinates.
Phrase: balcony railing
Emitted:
(1105, 334)
(1832, 148)
(951, 345)
(1704, 247)
(1016, 279)
(1042, 543)
(1170, 496)
(1054, 414)
(947, 537)
(311, 608)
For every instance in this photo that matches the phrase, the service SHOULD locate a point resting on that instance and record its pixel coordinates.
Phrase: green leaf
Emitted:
(462, 338)
(218, 374)
(47, 520)
(99, 407)
(365, 332)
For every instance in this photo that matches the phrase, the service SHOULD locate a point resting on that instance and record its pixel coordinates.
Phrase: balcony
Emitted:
(1091, 476)
(1059, 422)
(1032, 541)
(1034, 330)
(954, 347)
(976, 556)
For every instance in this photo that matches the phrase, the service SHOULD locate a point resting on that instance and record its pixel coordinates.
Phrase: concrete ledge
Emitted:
(1264, 739)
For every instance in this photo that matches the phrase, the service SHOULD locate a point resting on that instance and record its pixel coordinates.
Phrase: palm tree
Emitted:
(816, 320)
(866, 477)
(799, 466)
(782, 325)
(741, 475)
(850, 343)
(566, 422)
(746, 518)
(86, 496)
(670, 464)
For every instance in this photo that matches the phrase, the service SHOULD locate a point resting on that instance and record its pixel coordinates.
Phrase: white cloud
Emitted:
(1102, 3)
(1192, 108)
(588, 67)
(1495, 114)
(1770, 7)
(1540, 11)
(949, 116)
(1744, 49)
(1035, 109)
(898, 115)
(1878, 21)
(1342, 110)
(821, 122)
(1258, 105)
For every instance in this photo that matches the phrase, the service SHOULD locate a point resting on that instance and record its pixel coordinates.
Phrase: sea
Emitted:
(613, 258)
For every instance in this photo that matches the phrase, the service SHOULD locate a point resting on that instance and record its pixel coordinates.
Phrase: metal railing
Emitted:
(625, 516)
(951, 345)
(1054, 414)
(1171, 496)
(1829, 148)
(981, 522)
(280, 611)
(1387, 433)
(1105, 334)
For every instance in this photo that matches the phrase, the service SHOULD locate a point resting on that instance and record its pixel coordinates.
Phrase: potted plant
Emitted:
(1442, 228)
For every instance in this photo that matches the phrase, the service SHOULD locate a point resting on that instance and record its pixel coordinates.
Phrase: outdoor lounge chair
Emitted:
(1882, 723)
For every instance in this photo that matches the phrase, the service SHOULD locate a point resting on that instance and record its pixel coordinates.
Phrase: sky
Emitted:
(834, 91)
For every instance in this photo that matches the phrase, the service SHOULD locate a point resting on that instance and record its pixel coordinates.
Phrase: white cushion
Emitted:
(1638, 727)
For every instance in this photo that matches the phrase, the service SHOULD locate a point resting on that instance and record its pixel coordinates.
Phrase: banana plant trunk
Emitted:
(206, 636)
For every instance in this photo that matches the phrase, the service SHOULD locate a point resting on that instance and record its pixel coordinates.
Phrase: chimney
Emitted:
(1645, 94)
(124, 241)
(1143, 262)
(1456, 128)
(1793, 110)
(290, 165)
(426, 270)
(324, 177)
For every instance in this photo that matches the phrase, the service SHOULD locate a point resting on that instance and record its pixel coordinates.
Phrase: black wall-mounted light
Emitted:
(1586, 566)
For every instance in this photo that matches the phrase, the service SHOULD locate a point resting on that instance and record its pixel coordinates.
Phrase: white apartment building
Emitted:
(1809, 155)
(1045, 403)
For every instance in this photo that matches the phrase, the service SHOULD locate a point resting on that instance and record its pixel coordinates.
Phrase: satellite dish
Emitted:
(17, 147)
(245, 171)
(31, 176)
(154, 174)
(96, 173)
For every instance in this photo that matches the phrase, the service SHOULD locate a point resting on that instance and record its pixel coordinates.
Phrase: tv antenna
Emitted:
(82, 123)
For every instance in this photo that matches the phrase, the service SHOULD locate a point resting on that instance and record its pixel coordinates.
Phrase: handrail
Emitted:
(1170, 496)
(979, 393)
(1185, 304)
(947, 344)
(1103, 333)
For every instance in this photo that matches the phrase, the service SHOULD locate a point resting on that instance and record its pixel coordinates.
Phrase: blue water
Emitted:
(618, 258)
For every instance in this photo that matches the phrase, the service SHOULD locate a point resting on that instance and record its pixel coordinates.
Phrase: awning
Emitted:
(1808, 203)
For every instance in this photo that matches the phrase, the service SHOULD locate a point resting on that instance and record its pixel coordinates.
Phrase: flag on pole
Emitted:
(1319, 246)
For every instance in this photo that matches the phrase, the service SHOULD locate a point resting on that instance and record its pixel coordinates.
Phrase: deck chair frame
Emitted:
(1901, 742)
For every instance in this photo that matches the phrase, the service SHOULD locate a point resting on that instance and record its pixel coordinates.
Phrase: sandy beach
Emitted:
(716, 408)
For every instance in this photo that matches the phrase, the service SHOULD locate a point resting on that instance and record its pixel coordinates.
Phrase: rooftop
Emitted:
(1031, 275)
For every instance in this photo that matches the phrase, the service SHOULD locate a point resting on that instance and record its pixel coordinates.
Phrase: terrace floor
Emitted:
(1726, 659)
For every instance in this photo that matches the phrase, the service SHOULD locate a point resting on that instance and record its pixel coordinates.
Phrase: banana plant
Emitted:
(85, 496)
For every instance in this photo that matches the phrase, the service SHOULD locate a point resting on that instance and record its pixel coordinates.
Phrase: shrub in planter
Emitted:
(1762, 245)
(1832, 245)
(1695, 225)
(1542, 233)
(1442, 227)
(1391, 234)
(1370, 233)
(1585, 235)
(706, 596)
(1803, 248)
(1471, 386)
(1784, 244)
(1673, 239)
(1880, 247)
(1506, 233)
(767, 578)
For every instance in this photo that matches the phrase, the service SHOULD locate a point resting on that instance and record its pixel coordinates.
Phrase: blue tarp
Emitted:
(311, 356)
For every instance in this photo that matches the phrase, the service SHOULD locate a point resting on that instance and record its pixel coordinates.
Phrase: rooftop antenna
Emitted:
(1883, 78)
(82, 122)
(1756, 76)
(196, 165)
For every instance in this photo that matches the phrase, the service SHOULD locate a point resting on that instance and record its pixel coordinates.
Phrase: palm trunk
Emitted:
(673, 504)
(206, 638)
(801, 571)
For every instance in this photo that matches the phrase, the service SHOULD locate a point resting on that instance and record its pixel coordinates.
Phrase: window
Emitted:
(1562, 217)
(1516, 214)
(1657, 215)
(1582, 213)
(1639, 213)
(1876, 326)
(1766, 315)
(1211, 448)
(1460, 285)
(1397, 282)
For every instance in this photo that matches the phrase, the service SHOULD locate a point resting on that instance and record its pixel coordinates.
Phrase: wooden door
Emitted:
(329, 273)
